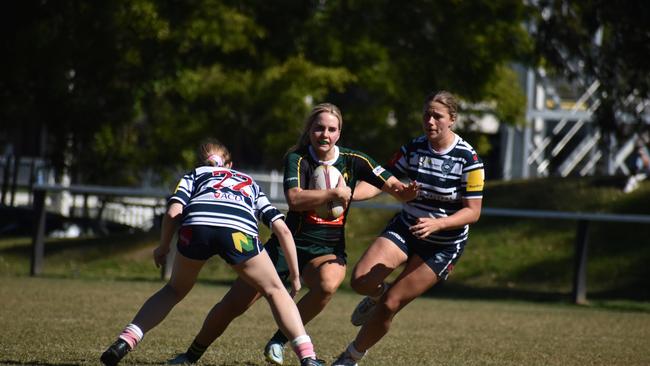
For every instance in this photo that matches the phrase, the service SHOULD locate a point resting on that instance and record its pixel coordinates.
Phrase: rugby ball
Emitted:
(327, 177)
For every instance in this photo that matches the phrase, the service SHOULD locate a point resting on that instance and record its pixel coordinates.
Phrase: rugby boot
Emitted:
(115, 353)
(180, 359)
(362, 312)
(345, 359)
(274, 352)
(312, 362)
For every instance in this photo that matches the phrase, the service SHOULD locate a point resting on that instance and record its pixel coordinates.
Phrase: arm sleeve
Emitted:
(183, 191)
(398, 164)
(473, 178)
(294, 173)
(266, 212)
(369, 171)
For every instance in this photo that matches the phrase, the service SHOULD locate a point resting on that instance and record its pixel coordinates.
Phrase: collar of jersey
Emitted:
(445, 151)
(321, 162)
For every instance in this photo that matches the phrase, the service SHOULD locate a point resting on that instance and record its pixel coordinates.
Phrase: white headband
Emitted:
(216, 159)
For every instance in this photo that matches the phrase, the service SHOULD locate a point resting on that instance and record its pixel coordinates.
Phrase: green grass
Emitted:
(53, 321)
(507, 302)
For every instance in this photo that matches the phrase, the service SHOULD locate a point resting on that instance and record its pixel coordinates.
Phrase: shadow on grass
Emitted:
(600, 300)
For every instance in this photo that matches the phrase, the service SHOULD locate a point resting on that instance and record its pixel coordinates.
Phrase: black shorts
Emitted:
(202, 242)
(440, 258)
(305, 252)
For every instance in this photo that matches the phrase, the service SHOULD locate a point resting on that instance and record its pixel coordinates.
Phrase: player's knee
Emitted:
(390, 306)
(327, 287)
(363, 285)
(273, 290)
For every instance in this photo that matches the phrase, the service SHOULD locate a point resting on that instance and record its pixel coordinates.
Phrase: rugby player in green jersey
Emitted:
(320, 242)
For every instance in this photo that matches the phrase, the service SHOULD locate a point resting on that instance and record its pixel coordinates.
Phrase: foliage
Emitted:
(604, 41)
(118, 88)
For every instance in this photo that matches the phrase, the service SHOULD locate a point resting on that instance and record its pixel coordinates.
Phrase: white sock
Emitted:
(303, 347)
(132, 335)
(352, 351)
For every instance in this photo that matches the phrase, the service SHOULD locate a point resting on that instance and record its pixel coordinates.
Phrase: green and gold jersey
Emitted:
(355, 166)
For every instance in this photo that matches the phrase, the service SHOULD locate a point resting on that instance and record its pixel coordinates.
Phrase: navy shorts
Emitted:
(440, 258)
(305, 253)
(202, 242)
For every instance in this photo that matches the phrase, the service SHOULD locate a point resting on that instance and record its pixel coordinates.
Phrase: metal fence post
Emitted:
(580, 267)
(38, 240)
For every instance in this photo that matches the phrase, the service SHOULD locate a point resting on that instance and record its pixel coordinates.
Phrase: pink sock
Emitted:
(131, 335)
(303, 347)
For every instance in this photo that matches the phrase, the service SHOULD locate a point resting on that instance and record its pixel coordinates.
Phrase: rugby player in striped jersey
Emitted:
(217, 209)
(429, 235)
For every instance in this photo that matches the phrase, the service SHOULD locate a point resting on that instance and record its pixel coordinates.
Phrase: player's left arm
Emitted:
(373, 179)
(170, 223)
(280, 229)
(472, 202)
(393, 186)
(469, 214)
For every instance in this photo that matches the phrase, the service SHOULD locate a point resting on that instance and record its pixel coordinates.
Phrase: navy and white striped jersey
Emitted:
(445, 178)
(217, 196)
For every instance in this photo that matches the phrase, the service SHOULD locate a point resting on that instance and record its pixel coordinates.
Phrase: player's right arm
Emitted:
(288, 246)
(296, 183)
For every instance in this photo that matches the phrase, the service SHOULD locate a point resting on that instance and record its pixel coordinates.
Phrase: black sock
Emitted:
(195, 351)
(279, 337)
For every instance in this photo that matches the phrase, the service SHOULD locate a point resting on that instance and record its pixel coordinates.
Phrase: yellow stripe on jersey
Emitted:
(298, 171)
(475, 180)
(178, 186)
(367, 162)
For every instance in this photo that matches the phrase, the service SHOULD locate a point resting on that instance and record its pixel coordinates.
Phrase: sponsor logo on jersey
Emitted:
(438, 197)
(396, 236)
(228, 196)
(475, 181)
(378, 170)
(446, 166)
(242, 242)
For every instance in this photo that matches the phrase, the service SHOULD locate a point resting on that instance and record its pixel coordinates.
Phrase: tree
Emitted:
(604, 41)
(401, 51)
(127, 86)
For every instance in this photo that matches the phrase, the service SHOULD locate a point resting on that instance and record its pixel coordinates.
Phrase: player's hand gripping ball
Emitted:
(327, 177)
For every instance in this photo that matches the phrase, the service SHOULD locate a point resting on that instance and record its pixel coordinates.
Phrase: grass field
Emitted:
(51, 321)
(507, 302)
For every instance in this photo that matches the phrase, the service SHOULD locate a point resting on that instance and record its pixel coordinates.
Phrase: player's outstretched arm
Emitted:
(171, 221)
(365, 191)
(402, 192)
(308, 199)
(288, 246)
